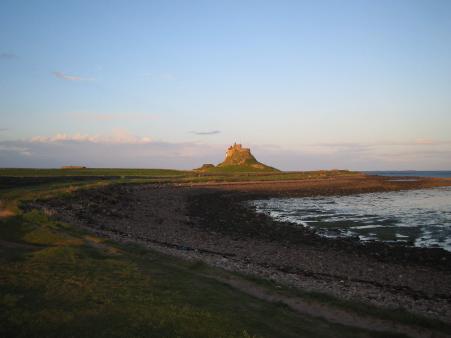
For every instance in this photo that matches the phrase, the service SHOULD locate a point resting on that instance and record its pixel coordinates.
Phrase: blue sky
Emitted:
(306, 84)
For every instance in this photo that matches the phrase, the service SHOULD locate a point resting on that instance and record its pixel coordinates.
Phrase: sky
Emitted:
(361, 85)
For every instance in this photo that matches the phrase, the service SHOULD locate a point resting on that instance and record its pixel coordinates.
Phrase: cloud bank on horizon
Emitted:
(361, 85)
(122, 149)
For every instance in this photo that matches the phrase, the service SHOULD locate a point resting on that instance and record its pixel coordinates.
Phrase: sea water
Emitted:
(412, 217)
(412, 173)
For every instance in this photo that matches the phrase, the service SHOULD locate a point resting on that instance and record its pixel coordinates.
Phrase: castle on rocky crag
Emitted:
(237, 148)
(238, 158)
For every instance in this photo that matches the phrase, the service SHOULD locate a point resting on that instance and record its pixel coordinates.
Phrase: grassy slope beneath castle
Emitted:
(245, 168)
(242, 163)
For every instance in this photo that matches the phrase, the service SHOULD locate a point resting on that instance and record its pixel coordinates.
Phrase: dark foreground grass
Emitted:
(57, 280)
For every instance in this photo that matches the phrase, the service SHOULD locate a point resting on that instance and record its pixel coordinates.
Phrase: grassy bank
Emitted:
(26, 178)
(232, 172)
(30, 172)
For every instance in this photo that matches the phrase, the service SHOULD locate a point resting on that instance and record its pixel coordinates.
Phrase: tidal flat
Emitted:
(420, 217)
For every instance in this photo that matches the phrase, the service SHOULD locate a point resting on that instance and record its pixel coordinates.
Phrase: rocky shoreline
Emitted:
(214, 223)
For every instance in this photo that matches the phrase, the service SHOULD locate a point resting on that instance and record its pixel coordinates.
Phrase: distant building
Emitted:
(236, 148)
(73, 167)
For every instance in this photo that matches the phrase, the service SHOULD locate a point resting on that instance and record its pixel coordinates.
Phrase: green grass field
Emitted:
(23, 172)
(57, 280)
(219, 174)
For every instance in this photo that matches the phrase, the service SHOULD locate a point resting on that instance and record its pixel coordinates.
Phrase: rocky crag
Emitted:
(238, 159)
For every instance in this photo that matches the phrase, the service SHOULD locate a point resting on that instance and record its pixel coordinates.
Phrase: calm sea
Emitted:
(414, 217)
(410, 173)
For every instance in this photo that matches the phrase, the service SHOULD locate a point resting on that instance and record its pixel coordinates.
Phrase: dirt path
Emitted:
(4, 212)
(329, 313)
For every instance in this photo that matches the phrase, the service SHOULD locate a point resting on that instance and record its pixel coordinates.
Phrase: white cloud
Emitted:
(425, 141)
(402, 155)
(15, 149)
(99, 117)
(117, 136)
(167, 76)
(159, 76)
(62, 76)
(206, 133)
